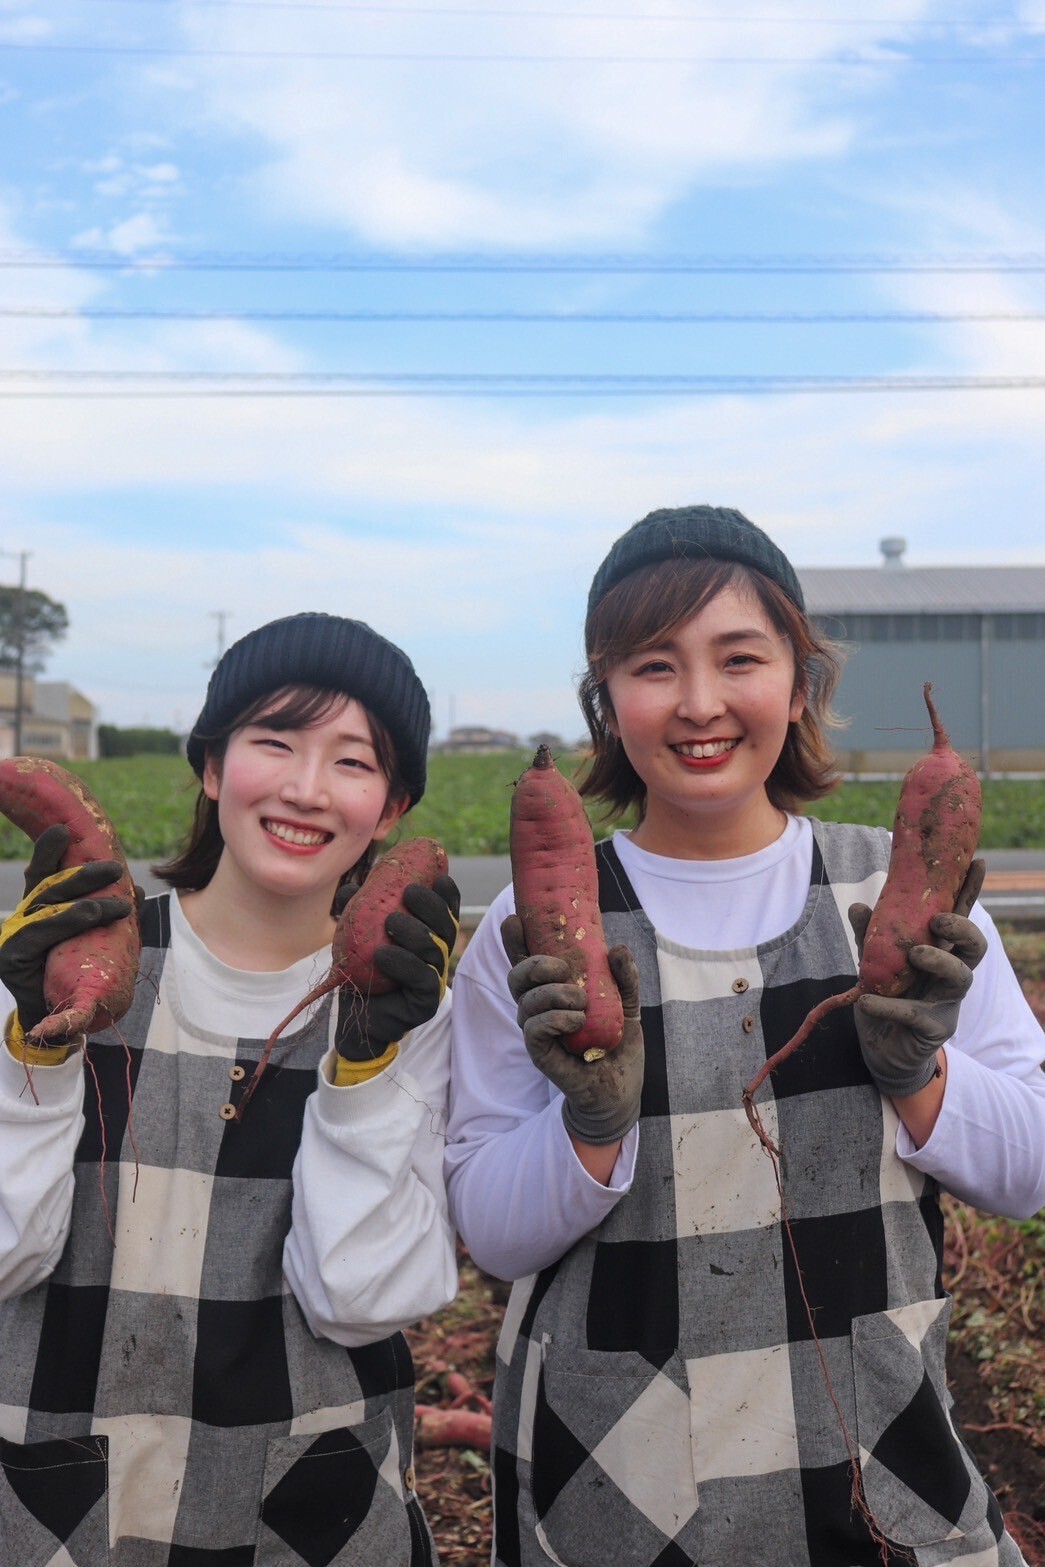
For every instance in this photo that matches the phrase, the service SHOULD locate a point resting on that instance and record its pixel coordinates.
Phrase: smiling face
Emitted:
(298, 807)
(703, 718)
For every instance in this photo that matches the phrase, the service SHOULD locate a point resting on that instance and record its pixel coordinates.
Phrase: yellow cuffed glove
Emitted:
(57, 904)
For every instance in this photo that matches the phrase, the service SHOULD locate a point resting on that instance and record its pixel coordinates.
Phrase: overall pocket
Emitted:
(612, 1457)
(918, 1480)
(54, 1494)
(336, 1497)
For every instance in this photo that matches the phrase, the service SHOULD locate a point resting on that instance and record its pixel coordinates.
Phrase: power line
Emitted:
(549, 317)
(897, 23)
(603, 263)
(207, 384)
(842, 62)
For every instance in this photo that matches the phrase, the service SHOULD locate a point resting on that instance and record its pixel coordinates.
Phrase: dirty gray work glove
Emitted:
(601, 1097)
(900, 1035)
(57, 904)
(417, 959)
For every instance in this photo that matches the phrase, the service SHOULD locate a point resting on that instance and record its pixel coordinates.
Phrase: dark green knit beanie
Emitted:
(692, 532)
(314, 649)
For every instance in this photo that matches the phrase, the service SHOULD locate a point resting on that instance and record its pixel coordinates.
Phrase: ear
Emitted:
(211, 780)
(798, 706)
(395, 807)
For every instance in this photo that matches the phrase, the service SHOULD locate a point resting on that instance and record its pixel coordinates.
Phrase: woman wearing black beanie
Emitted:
(700, 1365)
(204, 1296)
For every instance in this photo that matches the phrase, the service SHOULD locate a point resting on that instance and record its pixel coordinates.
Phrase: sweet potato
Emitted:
(557, 896)
(361, 930)
(437, 1427)
(935, 833)
(88, 980)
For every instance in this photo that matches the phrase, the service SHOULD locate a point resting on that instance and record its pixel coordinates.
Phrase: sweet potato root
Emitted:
(361, 930)
(557, 896)
(437, 1427)
(935, 833)
(88, 980)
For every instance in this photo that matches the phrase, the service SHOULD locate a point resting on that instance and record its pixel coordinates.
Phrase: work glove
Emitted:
(601, 1098)
(900, 1035)
(417, 960)
(56, 904)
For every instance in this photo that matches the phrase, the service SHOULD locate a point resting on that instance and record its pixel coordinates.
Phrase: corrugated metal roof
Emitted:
(910, 590)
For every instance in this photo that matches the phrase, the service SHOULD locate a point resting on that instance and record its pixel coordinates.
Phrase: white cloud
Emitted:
(790, 456)
(150, 186)
(110, 164)
(832, 473)
(547, 152)
(24, 29)
(140, 232)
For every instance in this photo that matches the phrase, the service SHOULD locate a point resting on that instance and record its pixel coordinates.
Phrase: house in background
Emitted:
(477, 740)
(58, 721)
(976, 632)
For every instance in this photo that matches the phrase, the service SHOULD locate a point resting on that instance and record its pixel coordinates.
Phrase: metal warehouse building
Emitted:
(976, 632)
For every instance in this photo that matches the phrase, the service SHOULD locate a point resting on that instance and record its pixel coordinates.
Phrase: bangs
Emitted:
(299, 707)
(647, 607)
(295, 707)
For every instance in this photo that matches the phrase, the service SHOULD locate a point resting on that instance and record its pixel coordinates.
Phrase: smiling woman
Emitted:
(298, 808)
(709, 1356)
(702, 720)
(267, 1261)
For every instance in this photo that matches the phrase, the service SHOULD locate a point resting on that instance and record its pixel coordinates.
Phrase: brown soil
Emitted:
(1010, 1460)
(454, 1483)
(995, 1364)
(1034, 990)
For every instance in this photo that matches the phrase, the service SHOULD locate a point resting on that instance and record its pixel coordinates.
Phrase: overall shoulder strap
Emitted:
(156, 921)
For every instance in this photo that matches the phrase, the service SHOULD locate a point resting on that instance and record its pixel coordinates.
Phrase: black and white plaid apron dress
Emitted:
(661, 1398)
(163, 1390)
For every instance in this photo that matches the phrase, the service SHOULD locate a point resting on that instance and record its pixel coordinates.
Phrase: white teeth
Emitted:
(712, 748)
(295, 835)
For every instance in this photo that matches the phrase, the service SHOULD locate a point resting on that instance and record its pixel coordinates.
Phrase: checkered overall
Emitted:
(163, 1389)
(661, 1397)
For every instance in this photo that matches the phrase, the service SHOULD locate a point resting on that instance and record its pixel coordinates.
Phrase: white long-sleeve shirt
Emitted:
(370, 1247)
(518, 1193)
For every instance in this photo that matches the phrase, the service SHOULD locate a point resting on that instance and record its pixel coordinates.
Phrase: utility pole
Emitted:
(22, 557)
(220, 615)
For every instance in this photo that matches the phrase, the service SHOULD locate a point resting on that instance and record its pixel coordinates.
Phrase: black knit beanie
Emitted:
(689, 532)
(314, 649)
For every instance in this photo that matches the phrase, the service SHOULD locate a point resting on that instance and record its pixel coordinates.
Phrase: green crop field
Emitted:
(150, 799)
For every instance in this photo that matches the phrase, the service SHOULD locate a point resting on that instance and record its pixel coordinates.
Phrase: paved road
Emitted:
(1015, 886)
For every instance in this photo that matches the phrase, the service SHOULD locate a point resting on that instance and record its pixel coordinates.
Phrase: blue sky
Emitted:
(839, 191)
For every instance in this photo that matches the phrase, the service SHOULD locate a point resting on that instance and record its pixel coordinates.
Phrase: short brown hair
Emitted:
(295, 707)
(643, 611)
